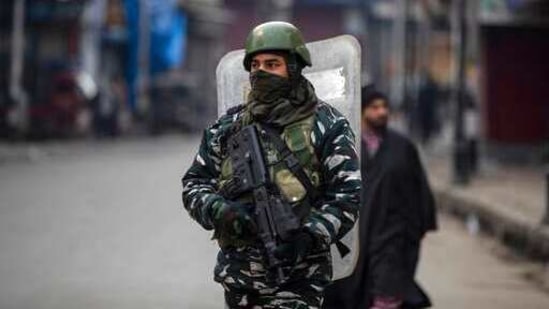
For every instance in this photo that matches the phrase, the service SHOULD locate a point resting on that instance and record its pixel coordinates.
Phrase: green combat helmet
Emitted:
(276, 35)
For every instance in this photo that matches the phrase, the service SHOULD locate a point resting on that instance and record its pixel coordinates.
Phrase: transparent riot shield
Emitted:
(335, 75)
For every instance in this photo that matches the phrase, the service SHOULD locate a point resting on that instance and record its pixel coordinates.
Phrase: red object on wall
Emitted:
(72, 40)
(516, 69)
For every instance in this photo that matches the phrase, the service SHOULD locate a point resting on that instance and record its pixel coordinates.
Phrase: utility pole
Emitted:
(144, 46)
(408, 66)
(423, 40)
(16, 90)
(545, 219)
(461, 166)
(398, 53)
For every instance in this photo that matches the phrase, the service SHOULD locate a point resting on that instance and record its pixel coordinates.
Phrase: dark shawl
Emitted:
(397, 210)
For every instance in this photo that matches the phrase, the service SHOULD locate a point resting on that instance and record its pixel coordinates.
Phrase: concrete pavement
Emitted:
(463, 271)
(508, 202)
(103, 228)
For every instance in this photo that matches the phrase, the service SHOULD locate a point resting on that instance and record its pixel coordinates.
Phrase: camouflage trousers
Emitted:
(306, 297)
(247, 285)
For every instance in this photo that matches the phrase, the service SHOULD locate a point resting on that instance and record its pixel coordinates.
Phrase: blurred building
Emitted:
(505, 66)
(156, 60)
(209, 26)
(514, 74)
(49, 53)
(77, 65)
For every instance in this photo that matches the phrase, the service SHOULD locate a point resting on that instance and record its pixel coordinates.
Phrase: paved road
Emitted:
(101, 226)
(462, 271)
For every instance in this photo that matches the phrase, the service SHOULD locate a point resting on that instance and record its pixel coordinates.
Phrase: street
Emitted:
(101, 225)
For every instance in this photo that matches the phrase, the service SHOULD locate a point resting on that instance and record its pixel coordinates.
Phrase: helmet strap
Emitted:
(294, 68)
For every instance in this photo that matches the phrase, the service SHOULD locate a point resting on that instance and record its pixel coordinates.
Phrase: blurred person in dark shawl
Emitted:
(397, 210)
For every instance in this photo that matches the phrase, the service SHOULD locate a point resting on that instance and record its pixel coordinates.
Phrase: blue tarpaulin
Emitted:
(168, 29)
(168, 25)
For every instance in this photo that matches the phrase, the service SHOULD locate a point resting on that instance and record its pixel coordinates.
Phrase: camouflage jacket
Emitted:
(332, 215)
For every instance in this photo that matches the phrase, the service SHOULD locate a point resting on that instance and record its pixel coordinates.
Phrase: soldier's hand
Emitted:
(296, 249)
(233, 220)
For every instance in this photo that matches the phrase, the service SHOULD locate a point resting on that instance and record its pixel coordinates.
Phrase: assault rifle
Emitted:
(274, 216)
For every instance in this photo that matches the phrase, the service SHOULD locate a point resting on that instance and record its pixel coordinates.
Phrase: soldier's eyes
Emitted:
(266, 65)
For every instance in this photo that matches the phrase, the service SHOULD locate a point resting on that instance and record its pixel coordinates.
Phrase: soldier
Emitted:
(322, 189)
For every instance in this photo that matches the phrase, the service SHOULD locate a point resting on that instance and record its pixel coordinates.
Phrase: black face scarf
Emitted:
(268, 87)
(277, 101)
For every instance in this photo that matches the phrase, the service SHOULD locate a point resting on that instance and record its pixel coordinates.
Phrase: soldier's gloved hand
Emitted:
(296, 249)
(233, 220)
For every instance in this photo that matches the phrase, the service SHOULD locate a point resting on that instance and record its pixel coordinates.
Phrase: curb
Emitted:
(526, 238)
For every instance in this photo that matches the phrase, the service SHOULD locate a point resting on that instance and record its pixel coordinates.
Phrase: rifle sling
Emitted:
(295, 167)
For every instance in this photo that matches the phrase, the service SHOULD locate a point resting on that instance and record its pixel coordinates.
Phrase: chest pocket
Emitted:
(297, 137)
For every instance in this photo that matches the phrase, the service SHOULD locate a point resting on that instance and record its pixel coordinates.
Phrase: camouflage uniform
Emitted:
(241, 267)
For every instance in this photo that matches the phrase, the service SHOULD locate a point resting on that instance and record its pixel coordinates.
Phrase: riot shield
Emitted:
(335, 74)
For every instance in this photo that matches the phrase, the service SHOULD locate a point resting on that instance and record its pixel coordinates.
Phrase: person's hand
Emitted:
(232, 220)
(296, 249)
(386, 302)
